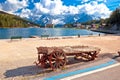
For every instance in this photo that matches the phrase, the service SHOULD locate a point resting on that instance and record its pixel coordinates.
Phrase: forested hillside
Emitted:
(110, 22)
(115, 17)
(12, 21)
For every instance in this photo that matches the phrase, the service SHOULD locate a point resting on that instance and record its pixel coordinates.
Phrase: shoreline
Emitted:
(60, 37)
(106, 31)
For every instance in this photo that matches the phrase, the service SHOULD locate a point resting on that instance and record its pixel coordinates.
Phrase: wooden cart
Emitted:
(56, 56)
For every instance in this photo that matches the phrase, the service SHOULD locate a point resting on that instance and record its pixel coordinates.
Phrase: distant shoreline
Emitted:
(107, 31)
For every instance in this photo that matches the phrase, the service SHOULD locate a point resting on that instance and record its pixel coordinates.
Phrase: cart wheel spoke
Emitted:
(55, 55)
(57, 65)
(54, 65)
(60, 54)
(62, 63)
(53, 59)
(57, 59)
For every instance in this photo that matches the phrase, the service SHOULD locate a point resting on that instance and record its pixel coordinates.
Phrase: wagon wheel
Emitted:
(57, 59)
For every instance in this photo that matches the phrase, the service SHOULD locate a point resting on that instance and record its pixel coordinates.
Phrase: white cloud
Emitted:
(57, 21)
(55, 8)
(101, 0)
(83, 1)
(95, 9)
(73, 10)
(25, 13)
(13, 5)
(39, 7)
(52, 7)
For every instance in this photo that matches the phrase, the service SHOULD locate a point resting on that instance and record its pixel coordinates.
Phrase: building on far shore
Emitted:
(49, 26)
(77, 25)
(88, 26)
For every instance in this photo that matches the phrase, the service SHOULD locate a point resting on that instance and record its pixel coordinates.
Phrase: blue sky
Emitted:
(36, 8)
(111, 4)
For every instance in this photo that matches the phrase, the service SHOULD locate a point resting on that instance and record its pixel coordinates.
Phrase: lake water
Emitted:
(6, 33)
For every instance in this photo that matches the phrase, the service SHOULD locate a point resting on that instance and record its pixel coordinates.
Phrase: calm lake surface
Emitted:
(6, 33)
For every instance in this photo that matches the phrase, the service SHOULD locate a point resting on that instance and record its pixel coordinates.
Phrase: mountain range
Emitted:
(62, 19)
(59, 11)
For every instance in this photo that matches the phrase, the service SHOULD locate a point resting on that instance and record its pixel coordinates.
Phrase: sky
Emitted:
(36, 8)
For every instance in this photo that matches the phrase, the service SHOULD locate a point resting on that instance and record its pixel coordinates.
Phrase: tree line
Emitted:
(114, 19)
(12, 21)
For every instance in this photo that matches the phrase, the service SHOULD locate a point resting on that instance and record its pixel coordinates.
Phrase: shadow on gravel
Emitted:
(110, 55)
(24, 71)
(34, 70)
(115, 57)
(71, 61)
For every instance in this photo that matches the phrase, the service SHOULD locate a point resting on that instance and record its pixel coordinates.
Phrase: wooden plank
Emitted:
(71, 50)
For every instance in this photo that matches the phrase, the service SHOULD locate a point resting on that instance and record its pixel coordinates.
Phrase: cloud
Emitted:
(97, 10)
(13, 5)
(83, 1)
(58, 21)
(101, 0)
(39, 7)
(25, 12)
(55, 8)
